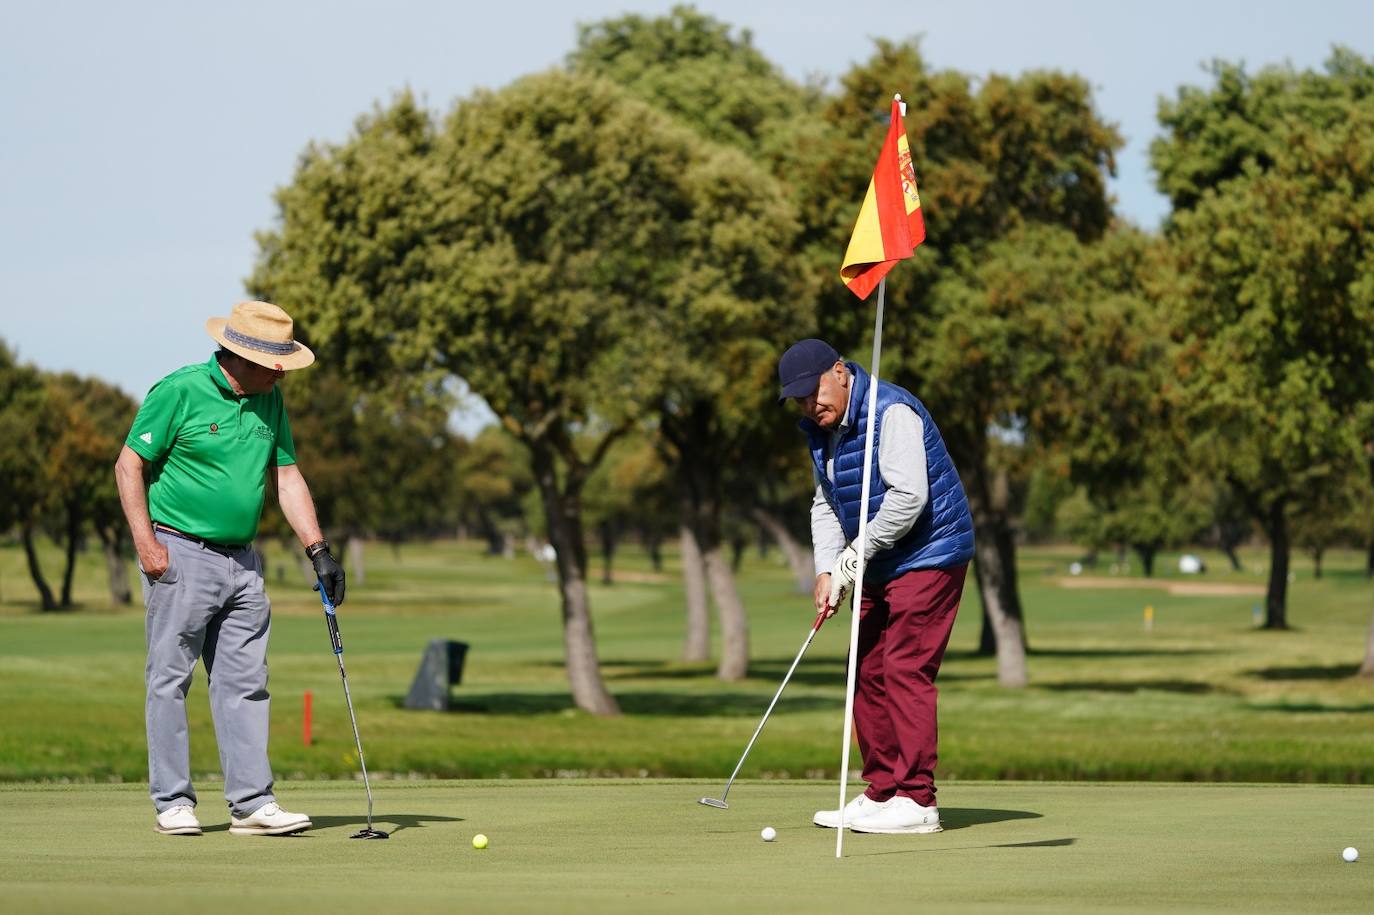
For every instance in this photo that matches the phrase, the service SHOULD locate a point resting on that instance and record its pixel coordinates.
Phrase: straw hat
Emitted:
(260, 332)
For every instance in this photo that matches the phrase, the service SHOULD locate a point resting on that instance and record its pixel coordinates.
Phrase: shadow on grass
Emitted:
(1313, 672)
(964, 817)
(391, 822)
(1116, 652)
(1048, 843)
(1357, 576)
(683, 705)
(1185, 687)
(812, 671)
(1312, 707)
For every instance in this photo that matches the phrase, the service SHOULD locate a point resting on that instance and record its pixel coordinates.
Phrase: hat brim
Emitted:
(299, 359)
(804, 386)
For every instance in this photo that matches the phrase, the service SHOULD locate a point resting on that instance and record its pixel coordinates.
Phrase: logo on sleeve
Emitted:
(146, 438)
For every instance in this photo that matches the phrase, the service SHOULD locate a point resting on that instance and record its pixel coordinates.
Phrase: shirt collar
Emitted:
(217, 373)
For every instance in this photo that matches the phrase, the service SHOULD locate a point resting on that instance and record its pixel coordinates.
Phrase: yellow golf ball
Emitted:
(479, 841)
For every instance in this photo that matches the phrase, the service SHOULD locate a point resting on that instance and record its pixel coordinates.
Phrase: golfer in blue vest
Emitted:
(919, 543)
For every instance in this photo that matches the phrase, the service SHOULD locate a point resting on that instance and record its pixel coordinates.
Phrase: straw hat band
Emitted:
(262, 346)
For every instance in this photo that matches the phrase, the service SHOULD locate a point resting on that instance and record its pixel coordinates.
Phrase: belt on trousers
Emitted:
(225, 548)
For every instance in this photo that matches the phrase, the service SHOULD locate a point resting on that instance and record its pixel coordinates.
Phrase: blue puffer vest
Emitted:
(942, 536)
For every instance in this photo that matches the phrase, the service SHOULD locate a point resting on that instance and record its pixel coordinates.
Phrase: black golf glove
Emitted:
(328, 570)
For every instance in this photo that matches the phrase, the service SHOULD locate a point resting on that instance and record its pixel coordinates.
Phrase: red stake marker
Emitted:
(306, 734)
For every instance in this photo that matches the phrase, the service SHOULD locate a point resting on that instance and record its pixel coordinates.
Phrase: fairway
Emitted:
(1201, 697)
(647, 846)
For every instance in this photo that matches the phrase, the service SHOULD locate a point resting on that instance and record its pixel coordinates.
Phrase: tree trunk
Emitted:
(1276, 599)
(357, 565)
(607, 531)
(116, 569)
(653, 545)
(1369, 561)
(1147, 559)
(1230, 550)
(995, 566)
(1231, 533)
(1317, 553)
(496, 542)
(799, 559)
(1367, 668)
(737, 547)
(73, 541)
(698, 643)
(987, 635)
(734, 625)
(36, 572)
(703, 511)
(563, 515)
(700, 493)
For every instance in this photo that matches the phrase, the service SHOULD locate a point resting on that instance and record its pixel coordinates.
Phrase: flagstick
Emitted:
(857, 596)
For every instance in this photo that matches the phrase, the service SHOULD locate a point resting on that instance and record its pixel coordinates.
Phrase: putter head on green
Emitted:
(370, 834)
(713, 802)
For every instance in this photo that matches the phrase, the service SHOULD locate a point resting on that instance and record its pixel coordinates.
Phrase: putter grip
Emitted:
(330, 619)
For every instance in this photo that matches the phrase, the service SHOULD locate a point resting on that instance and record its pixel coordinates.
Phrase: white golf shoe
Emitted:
(269, 820)
(859, 807)
(899, 816)
(178, 821)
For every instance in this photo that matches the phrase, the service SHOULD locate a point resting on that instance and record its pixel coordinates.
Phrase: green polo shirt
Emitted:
(210, 449)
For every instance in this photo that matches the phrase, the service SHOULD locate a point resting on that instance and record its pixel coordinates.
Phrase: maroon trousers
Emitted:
(904, 627)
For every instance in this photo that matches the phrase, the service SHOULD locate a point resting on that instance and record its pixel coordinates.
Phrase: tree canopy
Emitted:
(1272, 177)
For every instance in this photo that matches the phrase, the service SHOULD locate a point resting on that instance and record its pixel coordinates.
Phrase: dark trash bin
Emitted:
(440, 668)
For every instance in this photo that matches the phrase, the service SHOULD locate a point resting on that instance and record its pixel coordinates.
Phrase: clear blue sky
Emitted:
(140, 142)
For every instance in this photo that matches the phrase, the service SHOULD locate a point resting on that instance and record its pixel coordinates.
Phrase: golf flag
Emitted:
(890, 225)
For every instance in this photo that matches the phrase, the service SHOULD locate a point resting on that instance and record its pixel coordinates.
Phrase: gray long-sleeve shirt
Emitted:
(902, 464)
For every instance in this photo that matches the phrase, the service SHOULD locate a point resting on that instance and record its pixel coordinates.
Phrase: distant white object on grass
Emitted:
(1351, 854)
(769, 834)
(1189, 564)
(1075, 568)
(547, 553)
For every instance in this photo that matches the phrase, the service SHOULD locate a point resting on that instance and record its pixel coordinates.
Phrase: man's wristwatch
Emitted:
(316, 548)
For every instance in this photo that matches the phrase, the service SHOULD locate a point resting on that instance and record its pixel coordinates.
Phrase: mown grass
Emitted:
(1203, 696)
(645, 846)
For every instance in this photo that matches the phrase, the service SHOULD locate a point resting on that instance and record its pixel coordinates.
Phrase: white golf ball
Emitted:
(1351, 854)
(769, 834)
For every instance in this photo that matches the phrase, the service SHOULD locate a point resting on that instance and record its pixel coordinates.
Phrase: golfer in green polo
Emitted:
(207, 442)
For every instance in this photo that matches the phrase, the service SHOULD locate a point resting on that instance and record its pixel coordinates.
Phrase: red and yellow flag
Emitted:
(890, 225)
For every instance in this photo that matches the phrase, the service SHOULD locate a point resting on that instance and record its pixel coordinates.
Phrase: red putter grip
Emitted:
(820, 619)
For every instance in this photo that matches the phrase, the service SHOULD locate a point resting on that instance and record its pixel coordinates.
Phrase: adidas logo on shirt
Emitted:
(146, 438)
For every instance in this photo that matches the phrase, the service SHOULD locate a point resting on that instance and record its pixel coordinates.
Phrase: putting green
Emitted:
(630, 846)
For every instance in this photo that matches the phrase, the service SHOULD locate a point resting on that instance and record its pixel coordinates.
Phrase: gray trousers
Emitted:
(208, 605)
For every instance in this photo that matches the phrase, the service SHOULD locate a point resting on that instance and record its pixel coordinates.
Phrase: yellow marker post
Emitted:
(1149, 618)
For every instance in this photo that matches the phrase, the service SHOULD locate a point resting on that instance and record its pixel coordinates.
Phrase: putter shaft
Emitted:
(815, 627)
(331, 619)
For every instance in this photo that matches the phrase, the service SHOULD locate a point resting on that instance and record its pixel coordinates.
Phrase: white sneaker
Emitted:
(859, 807)
(269, 820)
(899, 816)
(178, 821)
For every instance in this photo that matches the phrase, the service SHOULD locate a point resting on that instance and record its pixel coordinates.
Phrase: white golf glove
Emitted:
(842, 575)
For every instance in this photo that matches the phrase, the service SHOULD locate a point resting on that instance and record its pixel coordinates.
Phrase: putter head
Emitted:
(370, 834)
(713, 802)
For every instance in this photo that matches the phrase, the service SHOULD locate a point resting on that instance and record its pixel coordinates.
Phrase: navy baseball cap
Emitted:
(802, 366)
